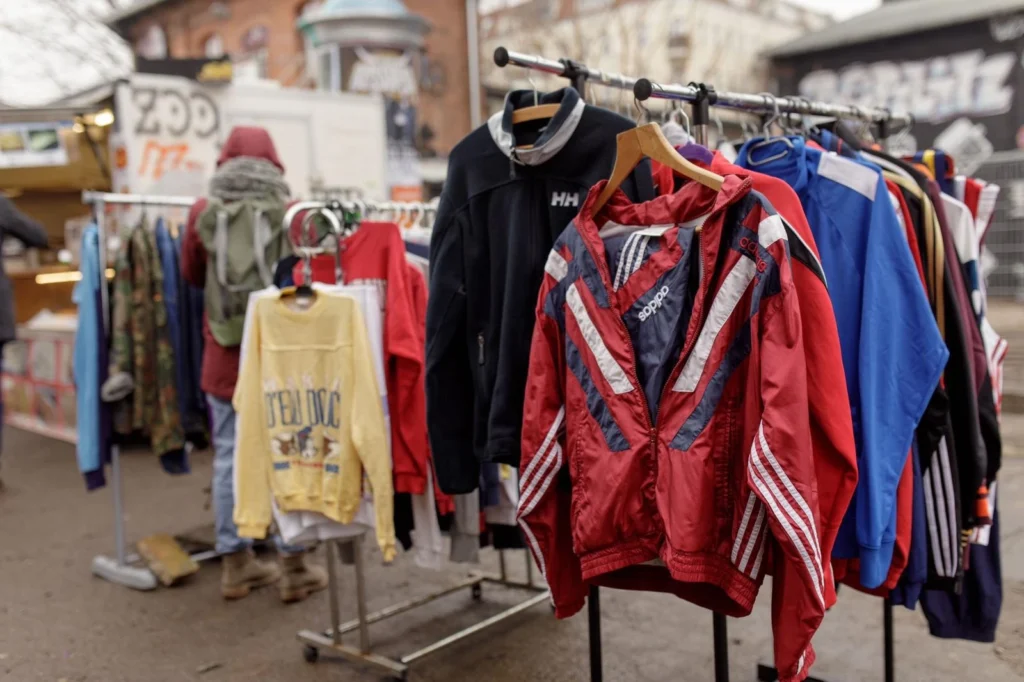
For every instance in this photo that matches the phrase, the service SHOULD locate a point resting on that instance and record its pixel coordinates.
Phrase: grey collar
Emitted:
(563, 124)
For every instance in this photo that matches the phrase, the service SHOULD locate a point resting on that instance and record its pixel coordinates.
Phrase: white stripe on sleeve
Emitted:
(728, 297)
(612, 371)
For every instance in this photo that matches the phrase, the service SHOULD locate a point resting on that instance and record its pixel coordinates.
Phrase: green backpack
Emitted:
(244, 240)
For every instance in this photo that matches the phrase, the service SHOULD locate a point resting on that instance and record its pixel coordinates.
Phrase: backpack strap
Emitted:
(260, 241)
(220, 247)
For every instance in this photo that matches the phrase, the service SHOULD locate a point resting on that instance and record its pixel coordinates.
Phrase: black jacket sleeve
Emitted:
(16, 224)
(449, 379)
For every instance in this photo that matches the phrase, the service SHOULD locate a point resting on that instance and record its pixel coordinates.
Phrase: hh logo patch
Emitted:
(565, 199)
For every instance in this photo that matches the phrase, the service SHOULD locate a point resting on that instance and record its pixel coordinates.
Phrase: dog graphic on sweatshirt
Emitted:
(284, 444)
(332, 449)
(306, 444)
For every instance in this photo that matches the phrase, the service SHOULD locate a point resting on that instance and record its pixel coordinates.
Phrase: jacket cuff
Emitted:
(874, 564)
(802, 668)
(252, 530)
(413, 484)
(568, 609)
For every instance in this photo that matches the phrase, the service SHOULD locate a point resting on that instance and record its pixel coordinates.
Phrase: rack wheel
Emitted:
(310, 653)
(477, 592)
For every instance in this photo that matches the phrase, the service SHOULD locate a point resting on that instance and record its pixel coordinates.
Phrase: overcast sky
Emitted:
(841, 10)
(50, 47)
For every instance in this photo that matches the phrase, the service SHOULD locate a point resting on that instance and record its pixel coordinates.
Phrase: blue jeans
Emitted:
(222, 415)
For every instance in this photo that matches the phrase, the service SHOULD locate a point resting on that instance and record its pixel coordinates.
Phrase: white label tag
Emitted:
(654, 230)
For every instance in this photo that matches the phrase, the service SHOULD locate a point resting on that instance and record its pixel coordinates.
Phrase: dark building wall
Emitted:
(957, 76)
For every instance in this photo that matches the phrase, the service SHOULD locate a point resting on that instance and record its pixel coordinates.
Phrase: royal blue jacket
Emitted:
(893, 353)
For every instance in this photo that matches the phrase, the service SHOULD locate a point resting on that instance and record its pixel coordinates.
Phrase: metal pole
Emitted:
(890, 662)
(473, 38)
(594, 619)
(501, 565)
(721, 635)
(529, 568)
(333, 588)
(701, 116)
(115, 451)
(364, 626)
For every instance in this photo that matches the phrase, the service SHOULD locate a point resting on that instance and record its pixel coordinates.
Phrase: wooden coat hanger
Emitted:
(535, 113)
(647, 141)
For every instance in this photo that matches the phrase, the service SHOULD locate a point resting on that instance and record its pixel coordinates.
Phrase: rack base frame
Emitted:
(329, 641)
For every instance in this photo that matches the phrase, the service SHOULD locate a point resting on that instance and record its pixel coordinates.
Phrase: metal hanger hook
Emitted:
(642, 111)
(536, 95)
(719, 125)
(686, 119)
(775, 115)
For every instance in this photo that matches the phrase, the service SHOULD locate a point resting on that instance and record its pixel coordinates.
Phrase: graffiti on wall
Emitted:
(173, 131)
(934, 90)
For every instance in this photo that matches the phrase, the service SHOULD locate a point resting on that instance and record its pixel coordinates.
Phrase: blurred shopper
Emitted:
(248, 183)
(13, 223)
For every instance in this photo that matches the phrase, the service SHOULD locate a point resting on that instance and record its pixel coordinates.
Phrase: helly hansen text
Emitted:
(655, 303)
(565, 199)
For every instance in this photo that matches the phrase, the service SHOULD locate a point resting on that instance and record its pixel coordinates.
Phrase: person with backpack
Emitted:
(232, 243)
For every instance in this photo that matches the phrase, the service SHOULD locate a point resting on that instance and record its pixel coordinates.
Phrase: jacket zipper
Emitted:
(480, 348)
(687, 347)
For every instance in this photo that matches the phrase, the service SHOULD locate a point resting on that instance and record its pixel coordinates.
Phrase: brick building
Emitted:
(265, 41)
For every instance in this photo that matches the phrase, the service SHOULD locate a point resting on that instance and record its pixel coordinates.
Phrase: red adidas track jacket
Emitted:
(722, 482)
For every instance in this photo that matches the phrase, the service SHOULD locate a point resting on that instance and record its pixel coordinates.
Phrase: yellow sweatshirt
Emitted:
(310, 419)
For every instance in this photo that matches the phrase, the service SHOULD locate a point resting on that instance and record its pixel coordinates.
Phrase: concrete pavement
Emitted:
(60, 624)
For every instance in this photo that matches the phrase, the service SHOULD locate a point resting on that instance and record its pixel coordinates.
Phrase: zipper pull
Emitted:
(480, 346)
(512, 164)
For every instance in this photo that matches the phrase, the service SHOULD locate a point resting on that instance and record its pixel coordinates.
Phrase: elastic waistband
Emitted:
(684, 567)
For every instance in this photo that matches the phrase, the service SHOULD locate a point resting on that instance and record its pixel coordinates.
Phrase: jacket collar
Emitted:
(792, 164)
(691, 202)
(551, 141)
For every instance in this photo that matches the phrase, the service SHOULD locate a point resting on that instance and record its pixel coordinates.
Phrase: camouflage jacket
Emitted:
(141, 344)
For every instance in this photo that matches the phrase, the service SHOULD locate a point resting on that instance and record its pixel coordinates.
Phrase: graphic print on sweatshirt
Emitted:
(658, 318)
(297, 421)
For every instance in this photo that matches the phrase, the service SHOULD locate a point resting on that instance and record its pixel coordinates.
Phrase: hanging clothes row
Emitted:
(383, 268)
(140, 375)
(736, 378)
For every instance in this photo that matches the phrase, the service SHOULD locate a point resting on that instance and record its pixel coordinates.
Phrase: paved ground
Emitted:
(59, 624)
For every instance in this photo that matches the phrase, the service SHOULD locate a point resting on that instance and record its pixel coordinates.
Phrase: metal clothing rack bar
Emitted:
(767, 103)
(644, 89)
(398, 668)
(118, 569)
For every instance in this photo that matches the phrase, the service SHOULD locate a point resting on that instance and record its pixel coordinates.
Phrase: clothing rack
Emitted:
(398, 668)
(330, 639)
(118, 568)
(702, 96)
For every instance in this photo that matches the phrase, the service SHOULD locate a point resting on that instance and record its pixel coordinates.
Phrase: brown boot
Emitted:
(300, 579)
(242, 571)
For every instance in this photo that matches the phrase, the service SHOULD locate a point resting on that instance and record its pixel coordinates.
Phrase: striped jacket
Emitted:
(704, 484)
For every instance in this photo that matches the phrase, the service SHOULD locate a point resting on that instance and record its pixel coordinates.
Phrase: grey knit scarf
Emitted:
(248, 177)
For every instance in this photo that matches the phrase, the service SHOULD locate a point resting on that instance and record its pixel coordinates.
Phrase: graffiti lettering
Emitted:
(933, 90)
(158, 159)
(171, 111)
(1009, 28)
